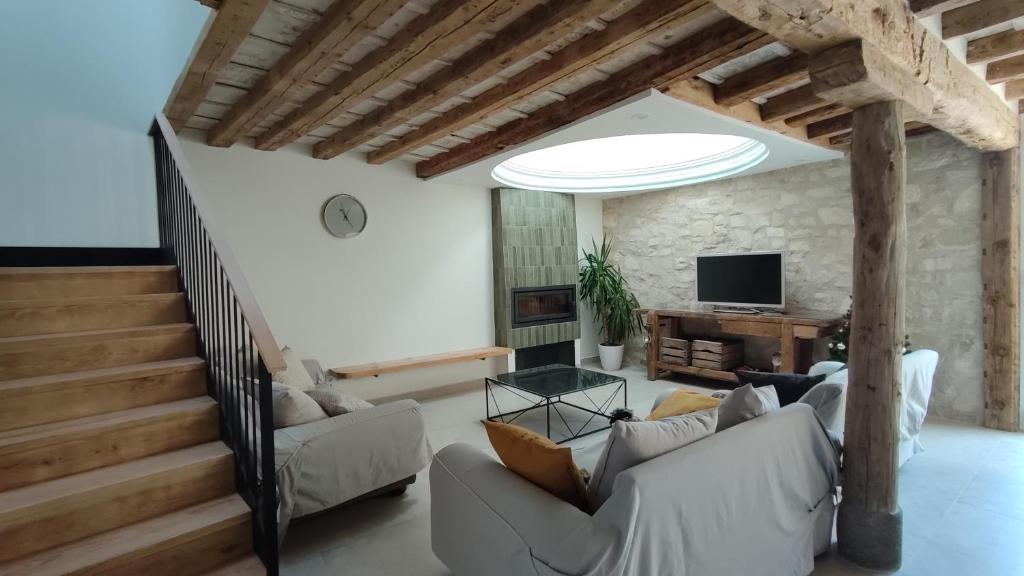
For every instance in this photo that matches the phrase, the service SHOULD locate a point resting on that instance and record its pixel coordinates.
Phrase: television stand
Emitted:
(795, 334)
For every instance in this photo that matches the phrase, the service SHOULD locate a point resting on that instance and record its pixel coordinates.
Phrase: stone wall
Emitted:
(807, 212)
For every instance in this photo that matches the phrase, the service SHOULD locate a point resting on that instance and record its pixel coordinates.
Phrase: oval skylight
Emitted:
(631, 163)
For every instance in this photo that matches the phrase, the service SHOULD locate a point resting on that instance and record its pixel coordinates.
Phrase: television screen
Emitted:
(756, 279)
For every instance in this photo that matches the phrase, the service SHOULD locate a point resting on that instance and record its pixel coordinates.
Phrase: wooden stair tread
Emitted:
(109, 333)
(248, 566)
(32, 495)
(377, 368)
(80, 300)
(107, 420)
(132, 540)
(41, 270)
(104, 374)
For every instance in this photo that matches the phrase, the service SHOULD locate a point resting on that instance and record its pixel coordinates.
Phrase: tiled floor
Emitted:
(962, 499)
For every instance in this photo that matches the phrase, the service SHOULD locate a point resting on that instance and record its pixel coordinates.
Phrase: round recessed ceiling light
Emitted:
(631, 163)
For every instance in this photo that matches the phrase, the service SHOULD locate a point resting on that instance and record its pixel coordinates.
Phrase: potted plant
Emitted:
(613, 305)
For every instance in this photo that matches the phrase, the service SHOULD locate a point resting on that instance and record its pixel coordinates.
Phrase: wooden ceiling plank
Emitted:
(964, 105)
(926, 8)
(831, 126)
(792, 103)
(224, 32)
(527, 35)
(1014, 89)
(978, 16)
(642, 21)
(818, 114)
(911, 129)
(1004, 70)
(676, 62)
(762, 79)
(995, 46)
(427, 37)
(344, 24)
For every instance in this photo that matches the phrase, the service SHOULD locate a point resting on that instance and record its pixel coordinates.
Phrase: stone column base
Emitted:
(872, 540)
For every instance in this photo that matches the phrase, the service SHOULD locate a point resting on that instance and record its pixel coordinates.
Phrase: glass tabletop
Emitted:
(555, 380)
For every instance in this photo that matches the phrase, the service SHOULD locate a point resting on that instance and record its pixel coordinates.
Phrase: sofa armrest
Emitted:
(486, 519)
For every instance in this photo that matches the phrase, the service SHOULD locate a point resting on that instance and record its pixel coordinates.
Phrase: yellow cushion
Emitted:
(539, 460)
(683, 402)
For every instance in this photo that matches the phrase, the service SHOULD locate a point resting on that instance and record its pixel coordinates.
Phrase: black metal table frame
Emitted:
(547, 403)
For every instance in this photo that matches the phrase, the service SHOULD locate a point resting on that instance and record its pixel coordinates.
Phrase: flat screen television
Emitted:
(750, 280)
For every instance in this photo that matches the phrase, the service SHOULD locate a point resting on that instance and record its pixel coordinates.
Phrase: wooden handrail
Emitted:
(258, 327)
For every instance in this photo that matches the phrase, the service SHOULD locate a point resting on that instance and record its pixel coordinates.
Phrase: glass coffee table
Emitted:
(544, 388)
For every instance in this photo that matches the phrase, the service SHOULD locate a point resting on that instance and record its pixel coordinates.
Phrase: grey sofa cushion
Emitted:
(292, 407)
(827, 400)
(336, 402)
(315, 370)
(745, 403)
(632, 443)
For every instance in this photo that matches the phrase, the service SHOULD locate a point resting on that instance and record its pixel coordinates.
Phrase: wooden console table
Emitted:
(795, 334)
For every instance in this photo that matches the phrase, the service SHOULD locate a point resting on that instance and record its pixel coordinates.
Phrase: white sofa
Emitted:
(755, 499)
(918, 371)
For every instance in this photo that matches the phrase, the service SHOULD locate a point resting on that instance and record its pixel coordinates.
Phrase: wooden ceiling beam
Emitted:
(647, 19)
(978, 16)
(792, 103)
(910, 129)
(1014, 89)
(684, 59)
(224, 32)
(831, 126)
(817, 115)
(964, 105)
(1003, 70)
(926, 8)
(527, 35)
(1001, 45)
(427, 37)
(344, 24)
(762, 79)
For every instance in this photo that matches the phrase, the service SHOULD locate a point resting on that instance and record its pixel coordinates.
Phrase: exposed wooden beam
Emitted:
(684, 59)
(870, 523)
(830, 126)
(792, 103)
(1007, 69)
(528, 34)
(700, 92)
(642, 21)
(817, 115)
(1001, 45)
(762, 79)
(925, 8)
(224, 32)
(1014, 89)
(1000, 272)
(427, 37)
(979, 15)
(965, 106)
(215, 4)
(910, 129)
(344, 24)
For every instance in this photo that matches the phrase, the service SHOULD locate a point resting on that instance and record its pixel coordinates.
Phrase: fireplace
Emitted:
(543, 305)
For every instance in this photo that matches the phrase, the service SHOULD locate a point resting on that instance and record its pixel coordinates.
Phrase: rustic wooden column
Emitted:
(1000, 273)
(870, 524)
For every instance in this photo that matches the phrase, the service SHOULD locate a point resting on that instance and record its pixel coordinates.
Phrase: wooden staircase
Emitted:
(110, 461)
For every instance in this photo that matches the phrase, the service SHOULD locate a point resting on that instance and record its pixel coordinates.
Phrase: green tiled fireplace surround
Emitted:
(534, 237)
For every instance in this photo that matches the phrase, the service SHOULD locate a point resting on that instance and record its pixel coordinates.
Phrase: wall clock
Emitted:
(344, 216)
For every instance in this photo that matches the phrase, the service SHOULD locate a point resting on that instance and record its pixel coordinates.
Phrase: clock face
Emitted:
(344, 216)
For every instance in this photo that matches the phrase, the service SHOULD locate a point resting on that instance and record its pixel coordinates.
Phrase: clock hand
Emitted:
(345, 215)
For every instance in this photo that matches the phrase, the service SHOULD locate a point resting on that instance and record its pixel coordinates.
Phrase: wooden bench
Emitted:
(378, 368)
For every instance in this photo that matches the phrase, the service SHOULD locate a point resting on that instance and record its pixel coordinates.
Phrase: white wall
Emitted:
(417, 281)
(589, 229)
(81, 83)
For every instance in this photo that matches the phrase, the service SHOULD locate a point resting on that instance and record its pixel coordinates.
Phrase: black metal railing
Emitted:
(233, 336)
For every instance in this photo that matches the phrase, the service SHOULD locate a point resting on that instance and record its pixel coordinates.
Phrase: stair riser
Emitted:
(60, 355)
(55, 522)
(78, 285)
(51, 319)
(72, 400)
(55, 456)
(189, 555)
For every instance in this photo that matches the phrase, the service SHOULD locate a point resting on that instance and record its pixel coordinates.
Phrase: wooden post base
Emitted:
(872, 540)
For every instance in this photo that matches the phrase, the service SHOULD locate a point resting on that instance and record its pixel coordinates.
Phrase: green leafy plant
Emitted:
(614, 306)
(839, 347)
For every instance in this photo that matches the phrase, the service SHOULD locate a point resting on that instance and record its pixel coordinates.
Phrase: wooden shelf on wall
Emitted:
(378, 368)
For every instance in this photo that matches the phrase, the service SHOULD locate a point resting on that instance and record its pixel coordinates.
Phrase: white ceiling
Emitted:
(653, 113)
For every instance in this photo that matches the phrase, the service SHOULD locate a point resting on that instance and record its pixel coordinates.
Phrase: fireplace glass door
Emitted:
(545, 305)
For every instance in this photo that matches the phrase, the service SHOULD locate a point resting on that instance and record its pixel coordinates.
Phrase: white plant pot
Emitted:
(611, 356)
